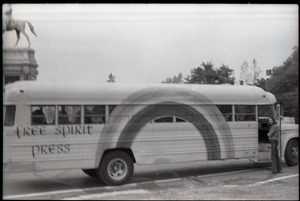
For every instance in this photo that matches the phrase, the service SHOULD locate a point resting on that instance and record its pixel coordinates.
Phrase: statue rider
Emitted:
(8, 14)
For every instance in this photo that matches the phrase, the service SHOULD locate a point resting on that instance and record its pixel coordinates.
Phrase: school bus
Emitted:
(106, 129)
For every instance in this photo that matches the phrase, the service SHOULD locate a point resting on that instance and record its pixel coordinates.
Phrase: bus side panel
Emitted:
(53, 147)
(182, 142)
(245, 137)
(168, 143)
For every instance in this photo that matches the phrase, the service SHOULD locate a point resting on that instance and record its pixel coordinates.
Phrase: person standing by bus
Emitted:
(274, 137)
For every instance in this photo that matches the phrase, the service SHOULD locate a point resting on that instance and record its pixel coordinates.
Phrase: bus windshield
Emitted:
(266, 111)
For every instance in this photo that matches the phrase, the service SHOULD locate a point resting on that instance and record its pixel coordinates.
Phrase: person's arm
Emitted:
(272, 131)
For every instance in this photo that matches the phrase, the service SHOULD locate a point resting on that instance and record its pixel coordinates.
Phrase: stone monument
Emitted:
(18, 63)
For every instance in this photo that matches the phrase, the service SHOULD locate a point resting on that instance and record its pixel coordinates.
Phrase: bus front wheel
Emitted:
(292, 153)
(116, 168)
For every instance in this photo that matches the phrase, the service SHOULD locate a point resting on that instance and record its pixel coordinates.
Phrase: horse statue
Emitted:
(19, 27)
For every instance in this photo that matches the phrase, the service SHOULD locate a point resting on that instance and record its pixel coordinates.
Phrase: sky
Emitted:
(146, 43)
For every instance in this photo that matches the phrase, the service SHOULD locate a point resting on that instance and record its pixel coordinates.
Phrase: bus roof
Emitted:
(34, 92)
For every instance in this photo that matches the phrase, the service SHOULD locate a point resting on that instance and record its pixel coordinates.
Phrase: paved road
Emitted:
(202, 180)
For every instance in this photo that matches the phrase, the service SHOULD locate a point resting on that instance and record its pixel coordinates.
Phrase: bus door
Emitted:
(264, 144)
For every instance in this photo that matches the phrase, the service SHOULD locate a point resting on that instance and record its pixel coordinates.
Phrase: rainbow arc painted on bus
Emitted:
(162, 105)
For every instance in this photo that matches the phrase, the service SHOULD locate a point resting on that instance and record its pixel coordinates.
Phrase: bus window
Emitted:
(245, 113)
(69, 114)
(94, 114)
(42, 115)
(164, 120)
(265, 111)
(178, 120)
(226, 111)
(9, 111)
(49, 112)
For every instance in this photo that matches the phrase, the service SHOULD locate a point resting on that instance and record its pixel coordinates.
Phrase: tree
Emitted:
(224, 74)
(261, 83)
(111, 78)
(250, 74)
(284, 84)
(206, 74)
(256, 71)
(245, 74)
(174, 79)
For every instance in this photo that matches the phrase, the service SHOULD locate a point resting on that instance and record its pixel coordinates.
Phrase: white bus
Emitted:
(106, 129)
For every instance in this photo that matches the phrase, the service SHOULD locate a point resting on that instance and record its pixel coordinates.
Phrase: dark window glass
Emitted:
(42, 115)
(245, 113)
(69, 114)
(94, 114)
(164, 120)
(265, 111)
(10, 112)
(180, 120)
(226, 111)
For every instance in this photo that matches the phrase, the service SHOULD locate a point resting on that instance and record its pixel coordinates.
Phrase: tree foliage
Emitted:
(174, 79)
(206, 74)
(284, 84)
(225, 75)
(245, 73)
(250, 74)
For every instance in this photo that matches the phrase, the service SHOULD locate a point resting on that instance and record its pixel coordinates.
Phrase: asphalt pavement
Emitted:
(202, 180)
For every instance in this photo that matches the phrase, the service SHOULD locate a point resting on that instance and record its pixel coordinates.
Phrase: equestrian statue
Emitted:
(16, 25)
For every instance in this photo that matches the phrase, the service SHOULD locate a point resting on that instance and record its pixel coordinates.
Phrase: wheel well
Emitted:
(125, 150)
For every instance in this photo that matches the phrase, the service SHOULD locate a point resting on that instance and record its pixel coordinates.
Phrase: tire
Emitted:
(91, 172)
(116, 168)
(292, 153)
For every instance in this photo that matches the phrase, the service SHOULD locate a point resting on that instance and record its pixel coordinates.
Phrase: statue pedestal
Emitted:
(19, 64)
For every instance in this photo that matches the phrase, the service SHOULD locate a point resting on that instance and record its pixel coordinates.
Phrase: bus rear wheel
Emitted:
(116, 168)
(292, 153)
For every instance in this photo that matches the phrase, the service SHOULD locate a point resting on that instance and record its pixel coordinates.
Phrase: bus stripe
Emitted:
(139, 120)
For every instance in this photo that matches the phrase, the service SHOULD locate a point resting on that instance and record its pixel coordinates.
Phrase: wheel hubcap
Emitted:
(117, 169)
